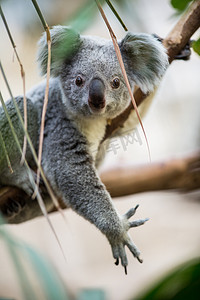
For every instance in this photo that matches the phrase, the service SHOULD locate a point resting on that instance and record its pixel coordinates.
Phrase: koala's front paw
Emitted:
(118, 244)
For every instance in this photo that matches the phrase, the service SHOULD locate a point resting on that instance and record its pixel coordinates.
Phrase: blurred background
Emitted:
(172, 236)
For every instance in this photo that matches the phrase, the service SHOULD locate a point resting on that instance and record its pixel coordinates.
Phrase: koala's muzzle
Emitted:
(96, 95)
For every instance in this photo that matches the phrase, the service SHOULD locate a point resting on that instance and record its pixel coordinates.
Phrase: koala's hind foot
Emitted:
(17, 206)
(11, 203)
(119, 244)
(12, 207)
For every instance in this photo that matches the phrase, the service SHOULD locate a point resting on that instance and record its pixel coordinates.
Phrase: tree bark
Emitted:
(181, 174)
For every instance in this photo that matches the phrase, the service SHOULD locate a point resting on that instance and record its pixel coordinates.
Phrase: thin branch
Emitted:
(23, 80)
(6, 153)
(44, 113)
(46, 27)
(121, 63)
(42, 19)
(116, 14)
(175, 41)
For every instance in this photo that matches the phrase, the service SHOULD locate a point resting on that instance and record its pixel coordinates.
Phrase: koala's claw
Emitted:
(125, 269)
(119, 247)
(12, 207)
(131, 212)
(117, 262)
(138, 222)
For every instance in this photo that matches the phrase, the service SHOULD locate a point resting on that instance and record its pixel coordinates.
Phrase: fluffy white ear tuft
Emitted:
(65, 43)
(145, 59)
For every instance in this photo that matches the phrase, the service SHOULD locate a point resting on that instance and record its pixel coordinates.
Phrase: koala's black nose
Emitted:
(97, 94)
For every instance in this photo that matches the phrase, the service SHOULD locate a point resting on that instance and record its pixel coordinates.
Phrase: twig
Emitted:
(42, 19)
(120, 60)
(46, 28)
(174, 42)
(23, 80)
(116, 14)
(6, 153)
(44, 110)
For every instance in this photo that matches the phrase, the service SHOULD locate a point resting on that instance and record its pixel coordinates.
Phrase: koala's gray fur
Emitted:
(83, 95)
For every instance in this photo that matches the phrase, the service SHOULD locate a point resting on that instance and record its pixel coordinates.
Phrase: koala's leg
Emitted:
(17, 204)
(20, 175)
(12, 203)
(70, 170)
(19, 178)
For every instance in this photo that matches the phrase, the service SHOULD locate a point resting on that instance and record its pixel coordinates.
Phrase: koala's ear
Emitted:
(145, 59)
(64, 44)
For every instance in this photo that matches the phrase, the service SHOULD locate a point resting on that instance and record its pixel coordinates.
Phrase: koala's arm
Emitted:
(70, 170)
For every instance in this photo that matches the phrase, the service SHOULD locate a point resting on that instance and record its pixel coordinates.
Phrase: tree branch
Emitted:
(180, 174)
(178, 37)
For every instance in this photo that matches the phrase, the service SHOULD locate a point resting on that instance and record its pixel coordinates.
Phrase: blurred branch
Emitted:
(23, 80)
(40, 15)
(116, 14)
(44, 109)
(175, 41)
(178, 37)
(180, 174)
(2, 144)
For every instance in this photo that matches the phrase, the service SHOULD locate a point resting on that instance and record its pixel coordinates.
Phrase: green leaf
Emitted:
(83, 18)
(180, 4)
(37, 265)
(46, 274)
(91, 294)
(116, 14)
(182, 283)
(196, 46)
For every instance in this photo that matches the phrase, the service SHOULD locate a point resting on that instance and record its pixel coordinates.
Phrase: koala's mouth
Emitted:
(97, 105)
(97, 110)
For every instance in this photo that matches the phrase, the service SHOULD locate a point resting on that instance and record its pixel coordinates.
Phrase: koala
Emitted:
(86, 90)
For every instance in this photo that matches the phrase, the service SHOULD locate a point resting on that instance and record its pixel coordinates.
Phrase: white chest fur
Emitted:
(93, 130)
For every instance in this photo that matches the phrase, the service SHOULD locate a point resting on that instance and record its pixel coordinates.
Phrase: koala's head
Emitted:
(89, 72)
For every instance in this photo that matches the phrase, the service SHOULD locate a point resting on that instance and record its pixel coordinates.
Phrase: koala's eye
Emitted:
(115, 83)
(79, 80)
